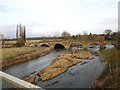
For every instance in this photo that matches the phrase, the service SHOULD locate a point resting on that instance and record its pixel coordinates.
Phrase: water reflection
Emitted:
(109, 46)
(93, 48)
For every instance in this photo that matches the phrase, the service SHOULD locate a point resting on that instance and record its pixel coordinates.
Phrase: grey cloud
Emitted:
(9, 31)
(34, 24)
(9, 8)
(109, 21)
(3, 8)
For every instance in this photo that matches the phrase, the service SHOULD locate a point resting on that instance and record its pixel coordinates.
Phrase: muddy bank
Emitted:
(62, 63)
(25, 57)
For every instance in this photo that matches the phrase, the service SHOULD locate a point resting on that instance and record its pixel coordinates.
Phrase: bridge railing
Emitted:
(17, 83)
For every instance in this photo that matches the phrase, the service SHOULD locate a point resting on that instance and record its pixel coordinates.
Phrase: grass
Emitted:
(110, 77)
(27, 41)
(9, 53)
(9, 42)
(59, 66)
(111, 56)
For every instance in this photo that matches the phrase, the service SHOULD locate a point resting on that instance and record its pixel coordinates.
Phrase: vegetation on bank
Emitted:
(23, 55)
(9, 53)
(110, 77)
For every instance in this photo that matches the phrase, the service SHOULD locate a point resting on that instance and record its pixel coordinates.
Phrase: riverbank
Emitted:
(62, 63)
(77, 76)
(18, 55)
(110, 78)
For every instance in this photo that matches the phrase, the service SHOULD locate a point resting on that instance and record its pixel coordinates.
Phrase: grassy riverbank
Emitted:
(9, 53)
(16, 55)
(110, 77)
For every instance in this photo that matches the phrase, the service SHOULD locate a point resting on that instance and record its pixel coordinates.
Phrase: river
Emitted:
(22, 69)
(81, 75)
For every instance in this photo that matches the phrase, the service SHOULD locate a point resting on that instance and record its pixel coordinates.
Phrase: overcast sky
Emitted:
(52, 17)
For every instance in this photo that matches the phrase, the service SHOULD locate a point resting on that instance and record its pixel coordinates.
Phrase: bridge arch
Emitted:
(59, 46)
(44, 45)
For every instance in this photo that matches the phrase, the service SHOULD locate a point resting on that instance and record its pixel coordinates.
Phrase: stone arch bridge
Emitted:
(65, 43)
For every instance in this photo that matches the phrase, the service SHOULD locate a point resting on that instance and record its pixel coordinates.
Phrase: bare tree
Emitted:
(24, 34)
(21, 35)
(66, 35)
(2, 41)
(108, 31)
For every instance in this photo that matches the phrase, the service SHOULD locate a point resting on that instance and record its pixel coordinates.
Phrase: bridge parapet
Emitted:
(18, 83)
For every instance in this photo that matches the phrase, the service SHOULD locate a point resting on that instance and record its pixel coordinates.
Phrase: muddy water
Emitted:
(81, 75)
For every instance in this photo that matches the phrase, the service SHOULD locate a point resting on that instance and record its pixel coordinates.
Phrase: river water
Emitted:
(22, 69)
(81, 75)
